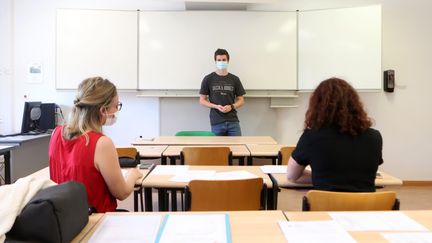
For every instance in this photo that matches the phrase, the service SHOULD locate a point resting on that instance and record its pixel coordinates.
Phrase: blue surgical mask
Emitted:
(221, 65)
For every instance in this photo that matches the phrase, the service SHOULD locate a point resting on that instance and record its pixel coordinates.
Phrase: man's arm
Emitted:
(205, 102)
(239, 102)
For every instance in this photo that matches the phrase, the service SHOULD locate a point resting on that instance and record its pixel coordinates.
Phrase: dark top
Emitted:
(340, 162)
(222, 90)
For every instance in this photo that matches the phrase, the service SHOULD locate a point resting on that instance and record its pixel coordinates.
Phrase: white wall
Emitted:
(403, 117)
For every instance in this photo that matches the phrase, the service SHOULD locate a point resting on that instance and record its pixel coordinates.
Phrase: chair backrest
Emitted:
(206, 156)
(225, 195)
(128, 157)
(316, 200)
(284, 154)
(195, 133)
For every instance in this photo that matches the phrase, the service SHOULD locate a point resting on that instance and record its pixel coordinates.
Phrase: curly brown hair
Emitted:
(335, 103)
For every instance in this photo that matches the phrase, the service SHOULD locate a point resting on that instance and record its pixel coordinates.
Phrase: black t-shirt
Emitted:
(340, 162)
(222, 90)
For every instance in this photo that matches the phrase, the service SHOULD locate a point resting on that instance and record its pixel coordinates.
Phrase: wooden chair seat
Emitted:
(316, 200)
(225, 195)
(206, 156)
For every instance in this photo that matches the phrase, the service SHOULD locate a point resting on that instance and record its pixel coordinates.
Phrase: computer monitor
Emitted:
(31, 115)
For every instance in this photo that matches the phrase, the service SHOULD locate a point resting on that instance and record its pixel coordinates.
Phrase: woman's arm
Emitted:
(106, 161)
(297, 174)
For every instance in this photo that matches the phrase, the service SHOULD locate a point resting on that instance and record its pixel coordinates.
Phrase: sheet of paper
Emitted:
(193, 175)
(234, 175)
(274, 169)
(193, 228)
(170, 169)
(408, 237)
(376, 221)
(314, 231)
(127, 228)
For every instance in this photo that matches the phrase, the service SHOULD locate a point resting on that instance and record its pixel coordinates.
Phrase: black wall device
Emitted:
(389, 80)
(48, 118)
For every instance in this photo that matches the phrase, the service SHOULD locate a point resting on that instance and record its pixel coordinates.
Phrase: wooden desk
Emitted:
(246, 226)
(206, 140)
(5, 150)
(384, 180)
(423, 217)
(173, 152)
(162, 183)
(264, 150)
(93, 220)
(151, 152)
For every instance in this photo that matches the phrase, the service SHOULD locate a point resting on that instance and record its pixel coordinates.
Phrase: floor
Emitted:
(411, 198)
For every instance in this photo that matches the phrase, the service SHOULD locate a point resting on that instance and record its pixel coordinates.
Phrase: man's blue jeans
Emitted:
(227, 129)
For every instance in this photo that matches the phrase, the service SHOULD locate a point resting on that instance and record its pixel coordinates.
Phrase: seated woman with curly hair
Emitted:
(338, 143)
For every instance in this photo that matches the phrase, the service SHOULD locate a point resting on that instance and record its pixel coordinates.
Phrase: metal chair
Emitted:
(316, 200)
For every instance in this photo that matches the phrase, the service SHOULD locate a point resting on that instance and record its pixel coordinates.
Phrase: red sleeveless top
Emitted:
(74, 160)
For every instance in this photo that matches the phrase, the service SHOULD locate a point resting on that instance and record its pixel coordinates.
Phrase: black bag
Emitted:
(127, 162)
(54, 214)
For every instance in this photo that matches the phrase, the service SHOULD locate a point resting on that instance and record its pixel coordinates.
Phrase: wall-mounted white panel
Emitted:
(96, 43)
(176, 48)
(344, 43)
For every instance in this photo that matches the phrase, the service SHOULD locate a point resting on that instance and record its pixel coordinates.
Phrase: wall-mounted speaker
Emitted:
(389, 80)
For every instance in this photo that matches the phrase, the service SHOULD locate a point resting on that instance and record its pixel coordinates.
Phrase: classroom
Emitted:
(29, 38)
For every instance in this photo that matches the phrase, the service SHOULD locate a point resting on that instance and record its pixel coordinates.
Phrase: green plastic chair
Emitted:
(194, 133)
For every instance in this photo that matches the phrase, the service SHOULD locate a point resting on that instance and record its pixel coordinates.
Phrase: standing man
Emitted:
(222, 92)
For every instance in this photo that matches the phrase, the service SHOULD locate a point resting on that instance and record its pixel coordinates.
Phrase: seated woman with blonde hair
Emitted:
(79, 150)
(338, 143)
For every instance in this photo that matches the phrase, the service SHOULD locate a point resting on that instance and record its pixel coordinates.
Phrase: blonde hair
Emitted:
(93, 94)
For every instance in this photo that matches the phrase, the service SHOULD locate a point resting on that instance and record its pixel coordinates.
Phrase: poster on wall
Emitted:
(34, 73)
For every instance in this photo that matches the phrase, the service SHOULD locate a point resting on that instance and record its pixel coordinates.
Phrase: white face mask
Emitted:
(111, 119)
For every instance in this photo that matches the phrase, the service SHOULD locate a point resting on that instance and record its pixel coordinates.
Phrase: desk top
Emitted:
(151, 151)
(44, 174)
(423, 217)
(206, 140)
(246, 226)
(383, 180)
(265, 149)
(7, 147)
(23, 138)
(237, 150)
(163, 181)
(93, 220)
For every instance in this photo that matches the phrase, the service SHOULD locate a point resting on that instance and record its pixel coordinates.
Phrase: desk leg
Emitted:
(7, 167)
(249, 160)
(162, 200)
(241, 160)
(173, 160)
(174, 200)
(148, 199)
(163, 160)
(272, 195)
(135, 200)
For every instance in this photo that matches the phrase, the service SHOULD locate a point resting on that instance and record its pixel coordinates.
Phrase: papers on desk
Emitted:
(212, 175)
(195, 228)
(314, 231)
(408, 237)
(193, 175)
(170, 170)
(376, 221)
(274, 169)
(127, 228)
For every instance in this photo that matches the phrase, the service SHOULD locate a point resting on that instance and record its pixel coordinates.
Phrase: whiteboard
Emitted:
(176, 48)
(96, 43)
(344, 43)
